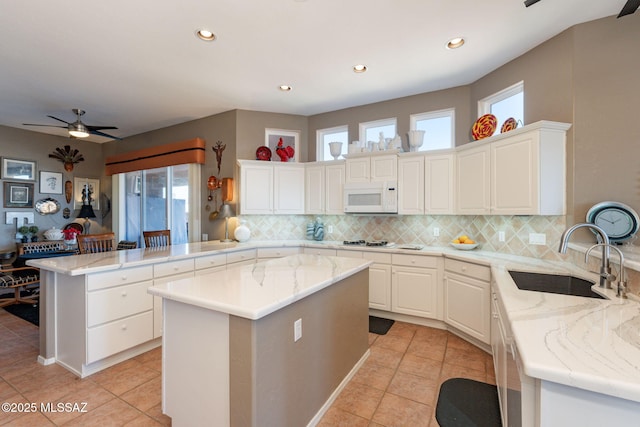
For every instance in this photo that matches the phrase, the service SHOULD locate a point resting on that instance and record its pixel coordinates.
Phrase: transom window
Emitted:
(370, 131)
(438, 126)
(507, 103)
(325, 136)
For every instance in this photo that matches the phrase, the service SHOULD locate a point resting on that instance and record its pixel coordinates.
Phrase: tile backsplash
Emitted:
(419, 229)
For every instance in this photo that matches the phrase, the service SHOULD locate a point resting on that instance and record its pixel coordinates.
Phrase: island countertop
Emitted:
(254, 291)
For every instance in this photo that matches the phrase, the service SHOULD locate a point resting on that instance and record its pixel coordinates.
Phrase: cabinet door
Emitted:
(334, 182)
(380, 286)
(472, 180)
(384, 168)
(288, 189)
(514, 175)
(414, 291)
(439, 184)
(411, 185)
(358, 169)
(314, 189)
(256, 189)
(467, 305)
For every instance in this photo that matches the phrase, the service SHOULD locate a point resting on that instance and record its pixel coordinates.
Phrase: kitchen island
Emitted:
(265, 344)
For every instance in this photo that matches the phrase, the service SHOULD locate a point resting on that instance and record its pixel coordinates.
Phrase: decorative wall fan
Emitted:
(78, 129)
(629, 7)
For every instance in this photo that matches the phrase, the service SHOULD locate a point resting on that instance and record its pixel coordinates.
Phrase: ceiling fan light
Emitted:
(78, 130)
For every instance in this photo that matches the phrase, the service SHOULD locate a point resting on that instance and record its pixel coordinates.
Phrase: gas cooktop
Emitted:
(365, 243)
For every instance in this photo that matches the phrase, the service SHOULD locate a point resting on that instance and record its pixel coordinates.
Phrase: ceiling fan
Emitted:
(78, 129)
(630, 6)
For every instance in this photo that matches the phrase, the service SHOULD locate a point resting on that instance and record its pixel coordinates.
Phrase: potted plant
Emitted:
(24, 230)
(33, 231)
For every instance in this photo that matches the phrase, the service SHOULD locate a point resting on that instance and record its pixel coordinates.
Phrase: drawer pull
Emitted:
(124, 293)
(464, 268)
(176, 268)
(123, 278)
(124, 327)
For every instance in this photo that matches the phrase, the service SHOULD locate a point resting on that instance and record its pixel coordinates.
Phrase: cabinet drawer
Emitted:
(241, 256)
(210, 261)
(348, 254)
(111, 338)
(477, 271)
(118, 277)
(277, 252)
(414, 260)
(173, 267)
(377, 257)
(320, 251)
(114, 303)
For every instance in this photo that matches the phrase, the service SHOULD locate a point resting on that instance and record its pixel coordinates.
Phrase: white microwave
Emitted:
(371, 197)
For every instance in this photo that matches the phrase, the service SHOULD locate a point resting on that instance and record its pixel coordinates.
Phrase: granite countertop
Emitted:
(254, 291)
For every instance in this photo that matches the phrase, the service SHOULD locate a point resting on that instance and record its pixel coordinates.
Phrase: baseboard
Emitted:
(46, 361)
(323, 410)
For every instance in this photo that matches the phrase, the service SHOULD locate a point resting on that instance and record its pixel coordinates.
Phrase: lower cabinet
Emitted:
(467, 294)
(415, 285)
(379, 277)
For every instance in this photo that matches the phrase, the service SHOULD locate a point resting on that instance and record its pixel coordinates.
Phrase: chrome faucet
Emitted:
(621, 288)
(605, 268)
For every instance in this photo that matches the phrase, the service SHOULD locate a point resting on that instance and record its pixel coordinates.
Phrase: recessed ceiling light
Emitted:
(360, 68)
(205, 35)
(455, 43)
(285, 88)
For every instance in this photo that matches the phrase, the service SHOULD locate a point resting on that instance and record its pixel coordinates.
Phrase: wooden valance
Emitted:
(176, 153)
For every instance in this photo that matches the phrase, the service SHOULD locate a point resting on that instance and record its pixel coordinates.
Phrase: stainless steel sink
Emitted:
(554, 283)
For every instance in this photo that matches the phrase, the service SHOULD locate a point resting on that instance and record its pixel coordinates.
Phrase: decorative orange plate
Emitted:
(484, 127)
(509, 124)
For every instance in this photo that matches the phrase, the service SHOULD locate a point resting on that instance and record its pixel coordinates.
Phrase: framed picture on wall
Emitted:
(83, 186)
(18, 169)
(289, 138)
(51, 183)
(18, 195)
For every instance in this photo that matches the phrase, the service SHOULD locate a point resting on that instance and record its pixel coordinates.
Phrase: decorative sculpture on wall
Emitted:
(218, 149)
(67, 156)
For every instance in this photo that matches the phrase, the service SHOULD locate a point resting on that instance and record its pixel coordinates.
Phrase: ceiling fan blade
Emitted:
(60, 120)
(37, 124)
(106, 135)
(630, 7)
(528, 3)
(99, 127)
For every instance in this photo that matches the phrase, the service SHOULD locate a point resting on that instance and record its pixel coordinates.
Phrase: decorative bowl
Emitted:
(464, 246)
(53, 234)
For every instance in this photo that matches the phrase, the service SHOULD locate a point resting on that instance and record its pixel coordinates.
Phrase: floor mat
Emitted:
(467, 403)
(380, 326)
(24, 311)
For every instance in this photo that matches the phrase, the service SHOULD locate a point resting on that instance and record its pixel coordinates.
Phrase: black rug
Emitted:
(378, 325)
(24, 311)
(467, 403)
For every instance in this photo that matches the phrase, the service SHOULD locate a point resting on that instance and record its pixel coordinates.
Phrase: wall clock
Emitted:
(618, 220)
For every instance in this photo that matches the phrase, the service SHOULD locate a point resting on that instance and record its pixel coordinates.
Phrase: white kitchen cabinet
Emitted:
(270, 253)
(372, 167)
(271, 188)
(411, 184)
(439, 175)
(415, 286)
(157, 301)
(379, 276)
(528, 171)
(238, 258)
(324, 183)
(210, 263)
(467, 299)
(473, 174)
(319, 251)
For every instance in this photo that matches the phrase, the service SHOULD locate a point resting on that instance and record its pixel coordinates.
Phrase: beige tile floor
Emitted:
(397, 385)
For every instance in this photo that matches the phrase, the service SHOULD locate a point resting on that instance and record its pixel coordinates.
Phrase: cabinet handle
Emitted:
(123, 278)
(124, 327)
(464, 268)
(124, 293)
(176, 268)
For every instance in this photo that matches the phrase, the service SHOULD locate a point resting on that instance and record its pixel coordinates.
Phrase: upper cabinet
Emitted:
(372, 167)
(324, 183)
(271, 188)
(521, 172)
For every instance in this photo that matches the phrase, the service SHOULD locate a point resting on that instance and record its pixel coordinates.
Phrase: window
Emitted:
(370, 131)
(438, 126)
(158, 199)
(325, 136)
(507, 103)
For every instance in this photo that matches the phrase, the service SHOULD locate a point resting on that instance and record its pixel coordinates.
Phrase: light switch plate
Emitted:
(20, 216)
(537, 239)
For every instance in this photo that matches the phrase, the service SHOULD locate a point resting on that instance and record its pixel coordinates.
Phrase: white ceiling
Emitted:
(138, 65)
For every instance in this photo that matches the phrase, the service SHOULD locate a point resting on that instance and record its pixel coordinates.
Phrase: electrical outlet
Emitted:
(297, 330)
(537, 239)
(329, 229)
(205, 237)
(500, 236)
(436, 232)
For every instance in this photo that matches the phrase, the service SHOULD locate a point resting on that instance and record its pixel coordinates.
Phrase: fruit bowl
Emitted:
(465, 246)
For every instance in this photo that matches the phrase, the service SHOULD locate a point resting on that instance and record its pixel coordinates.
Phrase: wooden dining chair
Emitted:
(94, 243)
(158, 238)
